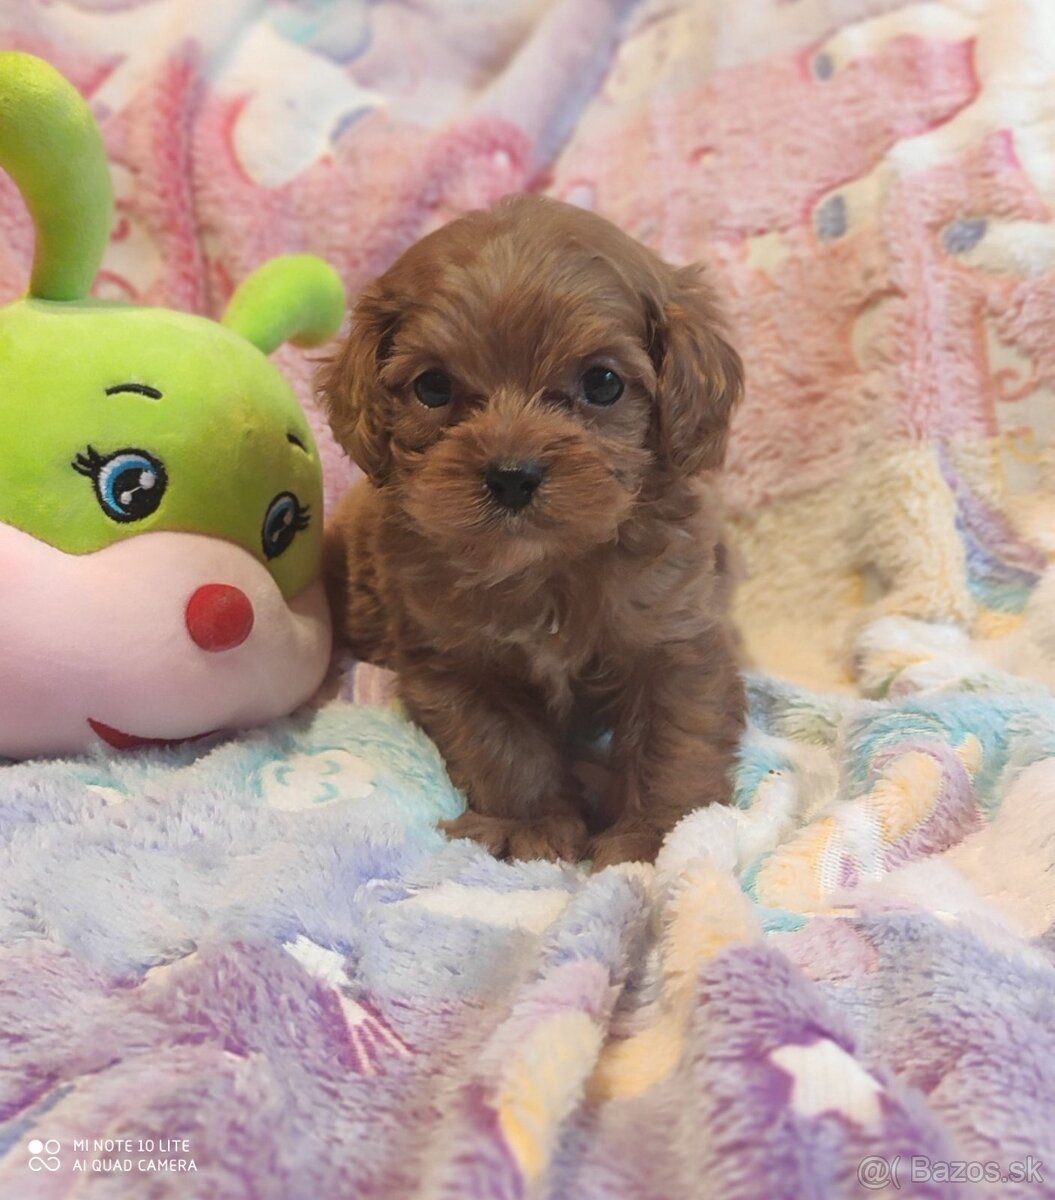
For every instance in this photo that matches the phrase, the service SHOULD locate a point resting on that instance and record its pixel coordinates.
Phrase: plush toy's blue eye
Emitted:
(129, 484)
(286, 517)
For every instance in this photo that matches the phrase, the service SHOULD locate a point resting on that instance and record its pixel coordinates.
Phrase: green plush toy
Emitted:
(160, 489)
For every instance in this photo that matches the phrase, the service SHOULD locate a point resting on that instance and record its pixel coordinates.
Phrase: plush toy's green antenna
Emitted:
(295, 297)
(51, 146)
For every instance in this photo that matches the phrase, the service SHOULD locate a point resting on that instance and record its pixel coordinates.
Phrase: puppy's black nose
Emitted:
(513, 486)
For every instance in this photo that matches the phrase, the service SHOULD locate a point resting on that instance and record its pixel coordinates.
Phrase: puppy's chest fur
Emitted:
(575, 634)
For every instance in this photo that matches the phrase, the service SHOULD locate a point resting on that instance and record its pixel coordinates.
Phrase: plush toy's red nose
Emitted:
(219, 617)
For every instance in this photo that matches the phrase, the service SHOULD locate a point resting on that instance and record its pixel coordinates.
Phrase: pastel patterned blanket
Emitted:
(256, 969)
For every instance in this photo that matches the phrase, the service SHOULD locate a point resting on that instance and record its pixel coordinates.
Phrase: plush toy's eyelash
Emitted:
(302, 519)
(140, 389)
(295, 441)
(89, 463)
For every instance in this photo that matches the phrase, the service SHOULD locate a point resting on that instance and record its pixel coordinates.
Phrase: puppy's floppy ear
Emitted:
(351, 388)
(699, 374)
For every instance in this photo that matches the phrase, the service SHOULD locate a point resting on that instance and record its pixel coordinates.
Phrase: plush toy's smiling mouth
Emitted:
(132, 741)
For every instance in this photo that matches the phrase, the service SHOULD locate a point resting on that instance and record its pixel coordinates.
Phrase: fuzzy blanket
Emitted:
(255, 969)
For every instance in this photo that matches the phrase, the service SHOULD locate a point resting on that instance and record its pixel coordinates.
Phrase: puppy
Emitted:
(540, 406)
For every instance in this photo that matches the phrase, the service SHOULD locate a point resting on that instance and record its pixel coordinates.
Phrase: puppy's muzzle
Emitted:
(513, 485)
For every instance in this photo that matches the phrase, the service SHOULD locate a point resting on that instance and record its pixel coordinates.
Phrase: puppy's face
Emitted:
(524, 377)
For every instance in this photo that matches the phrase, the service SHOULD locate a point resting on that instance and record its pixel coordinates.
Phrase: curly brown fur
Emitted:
(601, 604)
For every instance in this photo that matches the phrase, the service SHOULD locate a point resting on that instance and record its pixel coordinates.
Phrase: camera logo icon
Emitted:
(43, 1155)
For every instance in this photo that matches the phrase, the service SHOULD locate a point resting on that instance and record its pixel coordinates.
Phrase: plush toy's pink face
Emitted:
(163, 637)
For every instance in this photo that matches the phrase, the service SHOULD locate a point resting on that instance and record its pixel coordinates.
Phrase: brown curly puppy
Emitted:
(540, 405)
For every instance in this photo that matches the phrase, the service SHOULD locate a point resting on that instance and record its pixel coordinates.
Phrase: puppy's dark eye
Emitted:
(601, 386)
(433, 388)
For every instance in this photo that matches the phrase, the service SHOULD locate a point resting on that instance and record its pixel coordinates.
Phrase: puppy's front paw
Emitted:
(617, 845)
(552, 838)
